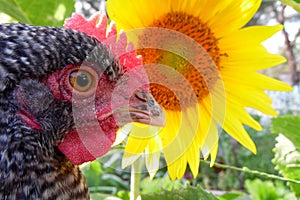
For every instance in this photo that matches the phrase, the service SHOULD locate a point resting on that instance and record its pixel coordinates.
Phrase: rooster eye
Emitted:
(81, 80)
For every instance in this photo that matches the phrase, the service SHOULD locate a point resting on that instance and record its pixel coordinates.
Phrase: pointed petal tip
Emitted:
(279, 27)
(281, 59)
(129, 159)
(172, 176)
(275, 28)
(195, 172)
(151, 175)
(195, 168)
(284, 87)
(288, 88)
(252, 148)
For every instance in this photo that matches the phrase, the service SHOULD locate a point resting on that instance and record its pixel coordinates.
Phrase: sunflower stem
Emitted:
(254, 172)
(135, 179)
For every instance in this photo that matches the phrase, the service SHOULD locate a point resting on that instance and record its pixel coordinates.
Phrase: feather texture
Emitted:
(35, 51)
(31, 166)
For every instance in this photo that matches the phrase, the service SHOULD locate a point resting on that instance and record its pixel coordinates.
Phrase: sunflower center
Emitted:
(197, 78)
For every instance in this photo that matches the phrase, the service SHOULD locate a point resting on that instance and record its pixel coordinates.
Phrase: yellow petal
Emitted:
(177, 168)
(250, 97)
(211, 140)
(213, 154)
(254, 80)
(211, 8)
(129, 158)
(137, 142)
(132, 14)
(244, 37)
(254, 59)
(235, 128)
(152, 155)
(122, 134)
(181, 141)
(233, 16)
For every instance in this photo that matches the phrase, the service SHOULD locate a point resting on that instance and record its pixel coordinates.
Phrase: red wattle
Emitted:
(84, 147)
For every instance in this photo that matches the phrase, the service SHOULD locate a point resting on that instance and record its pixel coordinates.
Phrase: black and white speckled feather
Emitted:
(31, 167)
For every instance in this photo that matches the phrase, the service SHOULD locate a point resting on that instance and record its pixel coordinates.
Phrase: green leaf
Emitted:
(96, 166)
(155, 185)
(92, 173)
(287, 149)
(46, 12)
(191, 193)
(289, 126)
(232, 196)
(293, 3)
(113, 180)
(11, 8)
(261, 190)
(287, 161)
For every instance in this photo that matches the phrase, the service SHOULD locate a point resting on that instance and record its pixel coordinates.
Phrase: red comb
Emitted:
(97, 27)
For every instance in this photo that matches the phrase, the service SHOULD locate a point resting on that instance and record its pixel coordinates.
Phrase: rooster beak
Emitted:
(142, 108)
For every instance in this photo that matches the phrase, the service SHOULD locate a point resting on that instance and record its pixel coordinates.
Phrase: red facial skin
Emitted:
(90, 138)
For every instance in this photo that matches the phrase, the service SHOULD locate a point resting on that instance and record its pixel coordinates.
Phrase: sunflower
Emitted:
(202, 64)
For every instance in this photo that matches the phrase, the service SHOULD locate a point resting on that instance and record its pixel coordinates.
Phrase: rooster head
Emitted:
(106, 90)
(105, 94)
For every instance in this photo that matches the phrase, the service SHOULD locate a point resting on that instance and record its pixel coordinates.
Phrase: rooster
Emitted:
(63, 96)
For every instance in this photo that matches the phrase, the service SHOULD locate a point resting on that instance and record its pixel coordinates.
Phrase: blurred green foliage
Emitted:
(268, 190)
(43, 13)
(234, 154)
(188, 193)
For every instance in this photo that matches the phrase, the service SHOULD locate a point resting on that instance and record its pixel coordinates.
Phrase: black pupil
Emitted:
(82, 80)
